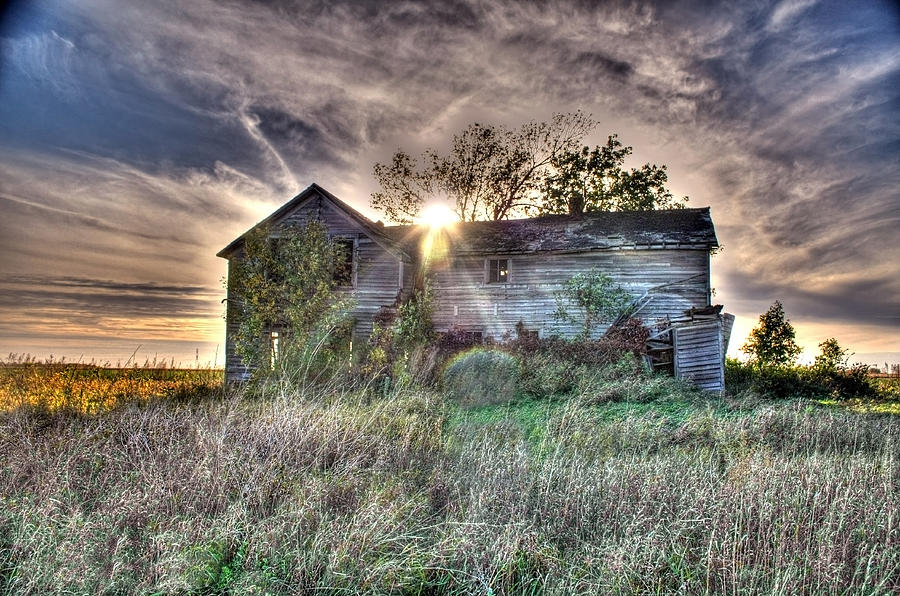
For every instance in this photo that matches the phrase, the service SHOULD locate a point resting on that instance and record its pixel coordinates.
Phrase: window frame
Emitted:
(490, 268)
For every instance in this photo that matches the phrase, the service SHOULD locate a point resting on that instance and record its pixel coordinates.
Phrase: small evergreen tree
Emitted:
(771, 343)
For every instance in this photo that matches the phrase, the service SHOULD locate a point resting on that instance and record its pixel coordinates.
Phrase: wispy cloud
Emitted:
(141, 137)
(786, 11)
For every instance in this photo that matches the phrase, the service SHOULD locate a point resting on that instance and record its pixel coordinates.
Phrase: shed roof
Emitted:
(573, 233)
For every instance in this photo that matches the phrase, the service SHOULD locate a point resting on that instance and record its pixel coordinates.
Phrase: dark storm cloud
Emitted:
(76, 289)
(105, 285)
(867, 302)
(139, 138)
(91, 306)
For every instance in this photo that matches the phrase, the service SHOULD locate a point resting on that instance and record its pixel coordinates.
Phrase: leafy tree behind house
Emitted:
(493, 173)
(286, 282)
(771, 343)
(489, 173)
(584, 180)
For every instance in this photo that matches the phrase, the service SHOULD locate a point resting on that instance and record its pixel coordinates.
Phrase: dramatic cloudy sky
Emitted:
(138, 138)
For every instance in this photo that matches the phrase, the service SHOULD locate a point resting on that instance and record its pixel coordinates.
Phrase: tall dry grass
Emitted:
(284, 495)
(91, 388)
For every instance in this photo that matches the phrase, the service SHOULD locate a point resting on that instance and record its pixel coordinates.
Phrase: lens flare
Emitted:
(437, 216)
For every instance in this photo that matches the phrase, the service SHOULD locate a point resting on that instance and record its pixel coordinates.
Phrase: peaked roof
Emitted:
(691, 227)
(376, 231)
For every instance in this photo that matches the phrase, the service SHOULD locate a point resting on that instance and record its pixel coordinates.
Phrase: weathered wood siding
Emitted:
(377, 283)
(234, 367)
(377, 273)
(699, 355)
(662, 255)
(676, 279)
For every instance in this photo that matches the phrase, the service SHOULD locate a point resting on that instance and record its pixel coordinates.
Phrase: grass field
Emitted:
(337, 492)
(91, 388)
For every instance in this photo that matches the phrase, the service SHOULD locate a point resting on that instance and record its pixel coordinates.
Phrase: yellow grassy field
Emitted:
(90, 389)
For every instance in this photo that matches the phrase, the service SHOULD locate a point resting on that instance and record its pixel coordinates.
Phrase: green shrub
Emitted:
(544, 375)
(738, 376)
(848, 383)
(591, 298)
(628, 380)
(779, 382)
(400, 348)
(831, 372)
(482, 376)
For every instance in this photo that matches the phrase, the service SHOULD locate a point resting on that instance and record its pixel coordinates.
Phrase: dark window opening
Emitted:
(343, 262)
(498, 270)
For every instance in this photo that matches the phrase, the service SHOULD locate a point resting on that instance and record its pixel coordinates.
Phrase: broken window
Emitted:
(343, 262)
(498, 271)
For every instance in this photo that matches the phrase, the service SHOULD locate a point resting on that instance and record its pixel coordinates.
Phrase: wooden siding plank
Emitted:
(698, 355)
(463, 298)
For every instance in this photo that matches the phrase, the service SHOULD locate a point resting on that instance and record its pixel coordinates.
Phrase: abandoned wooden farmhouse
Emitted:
(488, 276)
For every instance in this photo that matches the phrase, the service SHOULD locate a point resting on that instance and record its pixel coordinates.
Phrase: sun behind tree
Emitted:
(437, 216)
(491, 172)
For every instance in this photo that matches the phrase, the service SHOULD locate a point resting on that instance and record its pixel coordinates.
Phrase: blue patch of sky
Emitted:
(21, 17)
(128, 122)
(109, 111)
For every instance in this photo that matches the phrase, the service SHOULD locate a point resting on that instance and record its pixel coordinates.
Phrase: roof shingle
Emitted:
(549, 233)
(572, 233)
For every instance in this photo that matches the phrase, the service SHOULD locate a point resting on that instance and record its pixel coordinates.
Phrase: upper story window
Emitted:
(498, 271)
(343, 262)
